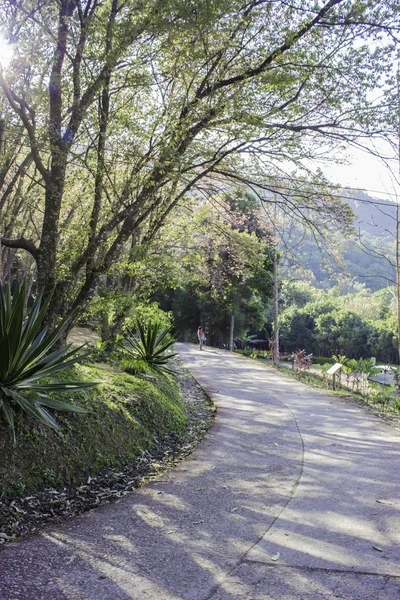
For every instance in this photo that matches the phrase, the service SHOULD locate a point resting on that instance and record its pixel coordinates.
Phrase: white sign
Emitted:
(334, 368)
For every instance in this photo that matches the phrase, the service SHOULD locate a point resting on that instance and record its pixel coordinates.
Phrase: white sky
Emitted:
(368, 173)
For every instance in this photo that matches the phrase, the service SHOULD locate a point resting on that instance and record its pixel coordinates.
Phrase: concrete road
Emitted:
(292, 495)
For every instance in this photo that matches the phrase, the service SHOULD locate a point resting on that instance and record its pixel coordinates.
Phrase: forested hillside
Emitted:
(359, 324)
(370, 258)
(367, 257)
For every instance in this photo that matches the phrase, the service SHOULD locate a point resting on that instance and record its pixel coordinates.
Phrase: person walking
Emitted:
(201, 336)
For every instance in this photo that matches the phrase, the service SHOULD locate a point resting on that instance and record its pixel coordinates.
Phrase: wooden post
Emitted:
(276, 294)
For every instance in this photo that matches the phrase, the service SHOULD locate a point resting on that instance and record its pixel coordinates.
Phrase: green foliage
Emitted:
(151, 345)
(322, 360)
(233, 69)
(135, 367)
(363, 365)
(386, 397)
(126, 416)
(302, 362)
(341, 358)
(114, 310)
(297, 329)
(226, 269)
(28, 361)
(146, 311)
(295, 294)
(336, 323)
(245, 352)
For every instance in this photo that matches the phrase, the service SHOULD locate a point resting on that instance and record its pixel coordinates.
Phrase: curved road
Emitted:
(292, 495)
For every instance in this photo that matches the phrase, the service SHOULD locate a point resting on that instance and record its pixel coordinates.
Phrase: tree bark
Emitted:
(2, 135)
(231, 331)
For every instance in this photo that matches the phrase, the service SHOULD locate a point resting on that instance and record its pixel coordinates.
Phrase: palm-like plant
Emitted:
(27, 360)
(151, 344)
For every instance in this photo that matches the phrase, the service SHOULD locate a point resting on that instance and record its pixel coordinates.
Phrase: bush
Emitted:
(322, 360)
(151, 345)
(28, 361)
(245, 352)
(134, 366)
(126, 416)
(302, 362)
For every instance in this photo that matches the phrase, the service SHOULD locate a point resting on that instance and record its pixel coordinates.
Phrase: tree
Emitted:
(357, 324)
(297, 330)
(225, 268)
(117, 110)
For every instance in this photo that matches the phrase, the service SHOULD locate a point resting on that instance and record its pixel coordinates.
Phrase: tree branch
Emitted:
(21, 243)
(250, 73)
(19, 107)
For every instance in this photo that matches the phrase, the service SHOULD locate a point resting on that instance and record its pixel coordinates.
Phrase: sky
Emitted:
(368, 173)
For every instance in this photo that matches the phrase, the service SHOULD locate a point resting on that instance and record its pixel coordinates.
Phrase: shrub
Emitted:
(151, 345)
(302, 362)
(245, 352)
(27, 361)
(322, 360)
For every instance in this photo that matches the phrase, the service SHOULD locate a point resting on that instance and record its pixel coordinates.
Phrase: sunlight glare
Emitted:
(6, 52)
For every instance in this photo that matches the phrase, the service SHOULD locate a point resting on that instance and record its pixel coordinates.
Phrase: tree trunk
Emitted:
(2, 136)
(105, 327)
(231, 330)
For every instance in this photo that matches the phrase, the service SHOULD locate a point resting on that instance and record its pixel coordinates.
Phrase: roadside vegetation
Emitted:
(123, 409)
(356, 378)
(124, 416)
(347, 319)
(160, 165)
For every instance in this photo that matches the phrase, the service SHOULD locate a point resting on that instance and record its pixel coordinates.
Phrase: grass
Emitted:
(127, 415)
(380, 402)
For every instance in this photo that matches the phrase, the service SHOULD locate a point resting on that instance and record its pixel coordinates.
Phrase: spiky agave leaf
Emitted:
(27, 359)
(151, 345)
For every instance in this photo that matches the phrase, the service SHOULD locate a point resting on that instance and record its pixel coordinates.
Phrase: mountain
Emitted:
(369, 258)
(373, 216)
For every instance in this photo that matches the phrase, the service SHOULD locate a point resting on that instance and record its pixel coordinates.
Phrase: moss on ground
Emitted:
(127, 414)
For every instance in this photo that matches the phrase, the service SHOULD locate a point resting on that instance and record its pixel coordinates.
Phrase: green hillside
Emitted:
(368, 258)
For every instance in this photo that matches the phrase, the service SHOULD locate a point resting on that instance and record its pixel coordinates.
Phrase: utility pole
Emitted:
(397, 214)
(276, 293)
(276, 306)
(398, 276)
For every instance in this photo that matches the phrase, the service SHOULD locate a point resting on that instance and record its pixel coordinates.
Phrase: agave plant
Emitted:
(27, 360)
(151, 345)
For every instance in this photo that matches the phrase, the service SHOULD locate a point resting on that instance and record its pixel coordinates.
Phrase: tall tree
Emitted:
(218, 256)
(124, 107)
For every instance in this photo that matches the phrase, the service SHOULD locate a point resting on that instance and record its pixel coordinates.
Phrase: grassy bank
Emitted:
(383, 401)
(127, 415)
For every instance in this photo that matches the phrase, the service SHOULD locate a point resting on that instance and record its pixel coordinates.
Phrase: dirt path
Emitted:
(292, 495)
